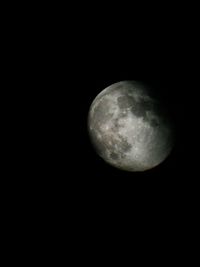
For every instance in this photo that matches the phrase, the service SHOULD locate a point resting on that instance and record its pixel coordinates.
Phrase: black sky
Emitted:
(66, 81)
(70, 65)
(77, 89)
(60, 65)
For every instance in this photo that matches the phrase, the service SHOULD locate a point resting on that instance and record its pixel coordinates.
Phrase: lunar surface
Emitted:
(129, 127)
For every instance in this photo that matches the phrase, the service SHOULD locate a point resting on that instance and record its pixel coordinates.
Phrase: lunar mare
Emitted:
(129, 128)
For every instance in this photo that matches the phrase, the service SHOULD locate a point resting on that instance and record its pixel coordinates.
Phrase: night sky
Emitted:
(60, 188)
(67, 86)
(86, 167)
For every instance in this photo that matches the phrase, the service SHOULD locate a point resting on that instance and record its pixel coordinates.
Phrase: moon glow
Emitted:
(129, 128)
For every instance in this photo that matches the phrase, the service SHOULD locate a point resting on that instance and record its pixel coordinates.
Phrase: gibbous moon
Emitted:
(129, 127)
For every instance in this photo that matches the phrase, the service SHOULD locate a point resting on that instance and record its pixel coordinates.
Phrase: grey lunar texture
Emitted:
(129, 128)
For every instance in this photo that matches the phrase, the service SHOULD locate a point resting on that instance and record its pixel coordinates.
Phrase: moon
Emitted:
(129, 127)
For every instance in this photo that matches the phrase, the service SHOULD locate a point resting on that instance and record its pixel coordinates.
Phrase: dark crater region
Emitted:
(140, 107)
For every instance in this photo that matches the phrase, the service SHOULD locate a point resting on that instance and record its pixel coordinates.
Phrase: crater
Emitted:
(125, 101)
(114, 156)
(154, 123)
(138, 111)
(146, 104)
(141, 107)
(101, 113)
(124, 145)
